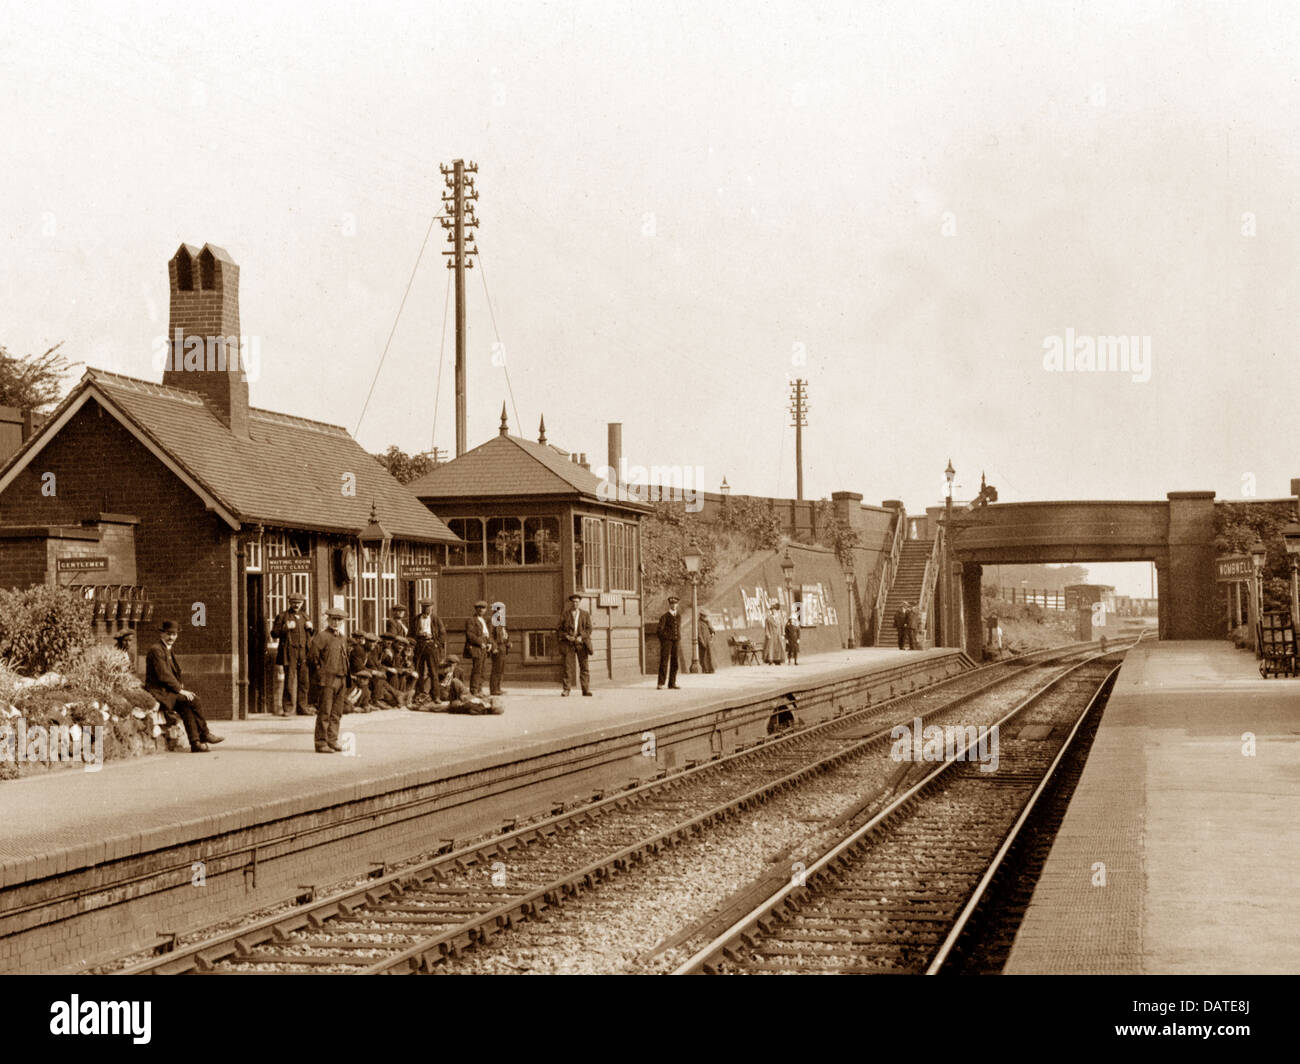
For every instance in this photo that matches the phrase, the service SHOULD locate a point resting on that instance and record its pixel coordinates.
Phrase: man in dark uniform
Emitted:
(574, 631)
(430, 643)
(327, 656)
(500, 648)
(900, 624)
(164, 681)
(792, 641)
(478, 644)
(670, 633)
(292, 629)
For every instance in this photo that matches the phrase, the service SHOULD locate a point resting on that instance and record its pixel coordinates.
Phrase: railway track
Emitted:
(416, 919)
(893, 892)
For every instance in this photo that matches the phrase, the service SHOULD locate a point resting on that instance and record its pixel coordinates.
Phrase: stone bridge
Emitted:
(1177, 534)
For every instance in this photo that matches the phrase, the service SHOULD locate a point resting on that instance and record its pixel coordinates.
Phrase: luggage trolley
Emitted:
(1277, 644)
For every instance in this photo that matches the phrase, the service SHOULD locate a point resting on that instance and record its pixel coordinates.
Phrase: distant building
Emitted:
(179, 500)
(1083, 595)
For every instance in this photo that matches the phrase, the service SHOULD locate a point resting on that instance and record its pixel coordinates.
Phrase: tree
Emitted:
(33, 383)
(1237, 524)
(405, 467)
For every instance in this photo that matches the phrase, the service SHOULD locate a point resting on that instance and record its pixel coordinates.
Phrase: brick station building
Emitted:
(182, 500)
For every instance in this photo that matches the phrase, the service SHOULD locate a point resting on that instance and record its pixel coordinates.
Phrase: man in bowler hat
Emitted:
(574, 631)
(163, 680)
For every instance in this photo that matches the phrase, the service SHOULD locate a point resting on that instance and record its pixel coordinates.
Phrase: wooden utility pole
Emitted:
(460, 223)
(799, 411)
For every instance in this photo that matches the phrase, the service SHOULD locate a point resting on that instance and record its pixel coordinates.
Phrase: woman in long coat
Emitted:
(773, 637)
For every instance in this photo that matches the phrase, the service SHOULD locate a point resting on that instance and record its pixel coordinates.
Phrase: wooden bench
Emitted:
(743, 652)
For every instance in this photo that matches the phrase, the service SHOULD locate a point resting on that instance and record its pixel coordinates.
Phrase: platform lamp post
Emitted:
(378, 541)
(692, 559)
(787, 573)
(1291, 537)
(1258, 552)
(949, 605)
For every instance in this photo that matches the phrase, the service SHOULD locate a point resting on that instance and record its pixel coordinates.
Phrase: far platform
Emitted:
(268, 767)
(1200, 842)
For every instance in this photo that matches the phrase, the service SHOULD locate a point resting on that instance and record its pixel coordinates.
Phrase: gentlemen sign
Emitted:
(82, 565)
(1233, 567)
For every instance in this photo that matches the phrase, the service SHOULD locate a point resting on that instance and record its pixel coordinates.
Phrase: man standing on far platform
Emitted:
(574, 631)
(670, 633)
(292, 629)
(500, 648)
(327, 655)
(430, 642)
(478, 646)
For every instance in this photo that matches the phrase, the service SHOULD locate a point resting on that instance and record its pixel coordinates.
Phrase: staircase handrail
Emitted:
(888, 570)
(932, 566)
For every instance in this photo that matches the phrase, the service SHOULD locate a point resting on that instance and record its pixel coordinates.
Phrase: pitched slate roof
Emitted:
(510, 465)
(289, 472)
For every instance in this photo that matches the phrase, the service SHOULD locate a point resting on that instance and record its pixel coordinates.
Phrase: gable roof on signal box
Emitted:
(510, 466)
(289, 471)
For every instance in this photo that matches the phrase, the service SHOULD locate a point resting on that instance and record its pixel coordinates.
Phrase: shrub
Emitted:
(43, 628)
(101, 671)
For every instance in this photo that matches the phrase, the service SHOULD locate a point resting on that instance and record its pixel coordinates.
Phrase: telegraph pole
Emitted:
(459, 199)
(799, 411)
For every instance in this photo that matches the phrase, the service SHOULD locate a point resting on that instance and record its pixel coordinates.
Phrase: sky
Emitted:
(683, 206)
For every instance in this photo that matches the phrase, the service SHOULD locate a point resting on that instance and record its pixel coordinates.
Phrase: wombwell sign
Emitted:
(1230, 568)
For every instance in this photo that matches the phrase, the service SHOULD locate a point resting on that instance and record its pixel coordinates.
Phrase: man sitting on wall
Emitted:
(163, 680)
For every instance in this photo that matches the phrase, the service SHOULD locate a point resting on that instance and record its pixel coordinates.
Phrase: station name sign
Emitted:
(82, 565)
(1233, 567)
(288, 565)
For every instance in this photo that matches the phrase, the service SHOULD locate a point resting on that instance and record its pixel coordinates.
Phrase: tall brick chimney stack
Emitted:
(205, 308)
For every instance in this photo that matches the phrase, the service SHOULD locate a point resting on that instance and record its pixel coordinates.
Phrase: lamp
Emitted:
(692, 559)
(1291, 538)
(375, 537)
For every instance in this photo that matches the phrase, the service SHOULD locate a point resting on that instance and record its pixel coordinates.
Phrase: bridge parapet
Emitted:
(1005, 533)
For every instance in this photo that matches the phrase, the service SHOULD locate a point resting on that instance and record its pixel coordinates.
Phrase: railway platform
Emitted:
(96, 863)
(1180, 850)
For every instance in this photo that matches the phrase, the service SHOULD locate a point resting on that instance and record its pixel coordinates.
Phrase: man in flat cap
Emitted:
(292, 630)
(396, 624)
(478, 646)
(163, 680)
(327, 656)
(670, 634)
(574, 631)
(381, 689)
(430, 643)
(360, 673)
